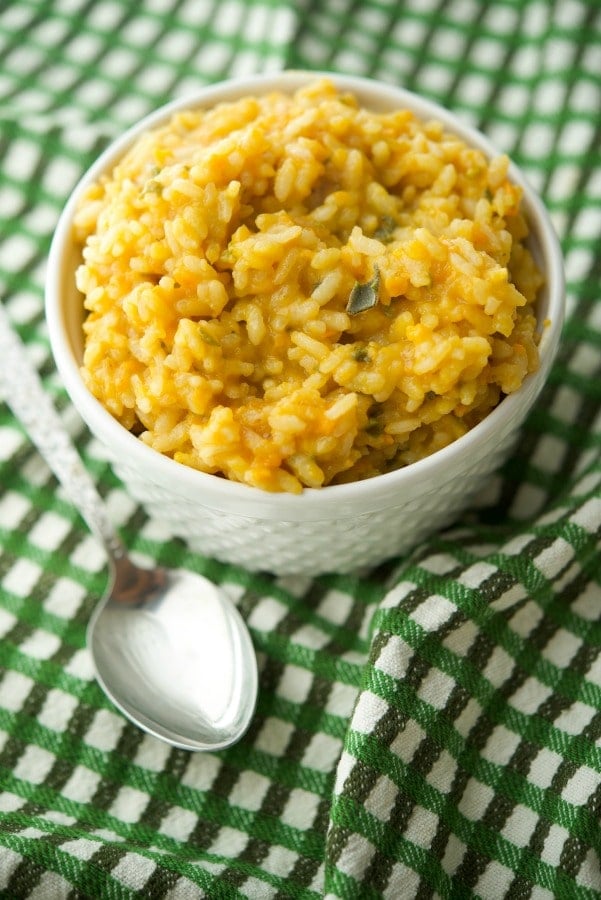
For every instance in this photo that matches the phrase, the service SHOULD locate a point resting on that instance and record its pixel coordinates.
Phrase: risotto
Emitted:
(292, 291)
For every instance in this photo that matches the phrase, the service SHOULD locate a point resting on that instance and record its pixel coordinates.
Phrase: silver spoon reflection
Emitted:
(170, 649)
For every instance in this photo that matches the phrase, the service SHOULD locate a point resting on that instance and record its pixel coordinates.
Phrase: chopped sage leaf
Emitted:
(360, 355)
(385, 229)
(153, 187)
(364, 296)
(207, 337)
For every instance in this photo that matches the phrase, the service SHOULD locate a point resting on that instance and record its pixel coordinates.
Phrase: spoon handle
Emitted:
(24, 393)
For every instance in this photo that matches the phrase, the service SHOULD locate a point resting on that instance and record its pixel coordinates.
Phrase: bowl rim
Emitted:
(216, 491)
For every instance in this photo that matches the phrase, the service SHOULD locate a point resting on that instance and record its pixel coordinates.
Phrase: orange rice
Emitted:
(291, 290)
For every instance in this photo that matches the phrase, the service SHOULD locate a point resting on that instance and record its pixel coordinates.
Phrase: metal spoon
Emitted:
(170, 649)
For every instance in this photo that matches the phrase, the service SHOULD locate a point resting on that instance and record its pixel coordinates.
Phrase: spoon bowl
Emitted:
(165, 660)
(169, 647)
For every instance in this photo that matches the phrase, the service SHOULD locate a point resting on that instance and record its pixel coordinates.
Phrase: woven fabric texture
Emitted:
(429, 729)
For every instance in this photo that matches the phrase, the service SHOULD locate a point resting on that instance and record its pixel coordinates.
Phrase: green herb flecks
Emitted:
(207, 337)
(153, 187)
(360, 354)
(374, 428)
(385, 229)
(364, 296)
(375, 423)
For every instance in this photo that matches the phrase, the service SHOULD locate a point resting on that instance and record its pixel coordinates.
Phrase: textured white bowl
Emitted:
(340, 527)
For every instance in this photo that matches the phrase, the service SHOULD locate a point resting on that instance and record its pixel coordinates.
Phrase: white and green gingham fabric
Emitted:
(430, 729)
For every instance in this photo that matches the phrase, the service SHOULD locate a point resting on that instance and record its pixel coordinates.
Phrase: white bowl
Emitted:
(339, 527)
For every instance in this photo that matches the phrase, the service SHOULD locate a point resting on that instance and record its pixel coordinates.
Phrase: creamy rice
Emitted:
(293, 291)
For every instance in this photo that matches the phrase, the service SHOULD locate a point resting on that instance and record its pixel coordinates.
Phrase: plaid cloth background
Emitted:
(430, 729)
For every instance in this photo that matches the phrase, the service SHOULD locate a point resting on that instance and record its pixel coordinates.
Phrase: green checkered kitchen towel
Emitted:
(429, 729)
